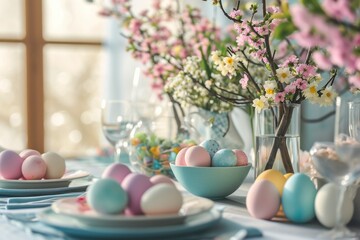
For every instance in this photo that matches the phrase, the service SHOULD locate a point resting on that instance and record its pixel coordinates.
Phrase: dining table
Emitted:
(235, 223)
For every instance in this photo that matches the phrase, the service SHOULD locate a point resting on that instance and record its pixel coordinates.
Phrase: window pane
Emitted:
(12, 18)
(12, 96)
(69, 19)
(72, 90)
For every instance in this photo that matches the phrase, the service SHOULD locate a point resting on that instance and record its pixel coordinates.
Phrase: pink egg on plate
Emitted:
(157, 179)
(33, 168)
(116, 171)
(10, 165)
(180, 157)
(29, 152)
(135, 184)
(241, 157)
(197, 156)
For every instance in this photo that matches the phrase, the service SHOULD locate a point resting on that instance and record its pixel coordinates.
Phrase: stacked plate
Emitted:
(74, 218)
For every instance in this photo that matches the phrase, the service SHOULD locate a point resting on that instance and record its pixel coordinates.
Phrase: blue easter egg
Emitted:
(211, 146)
(298, 198)
(224, 158)
(107, 196)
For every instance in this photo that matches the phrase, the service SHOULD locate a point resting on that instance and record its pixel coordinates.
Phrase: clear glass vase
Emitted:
(277, 138)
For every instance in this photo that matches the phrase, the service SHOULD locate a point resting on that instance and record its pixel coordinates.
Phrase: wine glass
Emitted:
(117, 120)
(339, 162)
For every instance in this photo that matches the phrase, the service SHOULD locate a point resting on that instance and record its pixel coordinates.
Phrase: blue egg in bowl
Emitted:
(211, 182)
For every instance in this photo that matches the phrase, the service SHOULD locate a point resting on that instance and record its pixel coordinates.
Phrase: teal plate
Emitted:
(73, 227)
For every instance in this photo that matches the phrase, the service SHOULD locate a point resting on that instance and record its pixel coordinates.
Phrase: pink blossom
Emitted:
(355, 80)
(306, 70)
(241, 40)
(291, 88)
(290, 61)
(301, 84)
(279, 97)
(244, 81)
(105, 12)
(236, 13)
(135, 25)
(156, 4)
(273, 9)
(262, 30)
(339, 9)
(321, 60)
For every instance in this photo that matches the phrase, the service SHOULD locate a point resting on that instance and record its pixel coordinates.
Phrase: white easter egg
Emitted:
(326, 205)
(55, 165)
(161, 199)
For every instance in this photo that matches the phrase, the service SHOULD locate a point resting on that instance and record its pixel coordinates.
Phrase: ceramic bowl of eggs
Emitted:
(208, 171)
(29, 164)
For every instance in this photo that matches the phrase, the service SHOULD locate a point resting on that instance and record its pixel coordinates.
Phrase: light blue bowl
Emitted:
(210, 182)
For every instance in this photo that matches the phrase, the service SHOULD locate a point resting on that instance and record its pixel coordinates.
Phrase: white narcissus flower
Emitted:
(284, 75)
(311, 92)
(327, 96)
(260, 103)
(270, 87)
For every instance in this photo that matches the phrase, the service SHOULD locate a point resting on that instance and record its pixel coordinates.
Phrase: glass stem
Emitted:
(117, 152)
(339, 223)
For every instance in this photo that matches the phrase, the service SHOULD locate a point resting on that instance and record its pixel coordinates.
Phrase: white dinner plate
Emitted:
(71, 207)
(43, 183)
(73, 227)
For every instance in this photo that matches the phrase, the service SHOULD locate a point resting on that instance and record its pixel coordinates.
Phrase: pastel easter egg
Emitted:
(33, 168)
(275, 177)
(10, 165)
(241, 158)
(263, 200)
(197, 156)
(298, 198)
(211, 145)
(116, 171)
(161, 199)
(180, 157)
(157, 179)
(224, 158)
(28, 152)
(55, 165)
(135, 185)
(288, 175)
(326, 202)
(106, 196)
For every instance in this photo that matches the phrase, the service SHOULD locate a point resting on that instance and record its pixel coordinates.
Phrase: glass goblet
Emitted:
(117, 120)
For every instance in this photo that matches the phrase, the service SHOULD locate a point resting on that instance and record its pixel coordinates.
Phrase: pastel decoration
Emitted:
(55, 165)
(326, 203)
(275, 177)
(33, 168)
(197, 156)
(10, 165)
(298, 198)
(211, 145)
(28, 152)
(224, 158)
(135, 185)
(106, 196)
(263, 200)
(288, 175)
(158, 179)
(161, 199)
(180, 157)
(116, 171)
(241, 158)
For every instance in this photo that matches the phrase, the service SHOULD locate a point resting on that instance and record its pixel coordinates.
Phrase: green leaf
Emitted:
(283, 30)
(313, 6)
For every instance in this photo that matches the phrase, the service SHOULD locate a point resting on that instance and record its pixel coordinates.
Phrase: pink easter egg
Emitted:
(157, 179)
(197, 156)
(263, 200)
(180, 157)
(116, 171)
(28, 152)
(135, 185)
(241, 157)
(33, 168)
(10, 165)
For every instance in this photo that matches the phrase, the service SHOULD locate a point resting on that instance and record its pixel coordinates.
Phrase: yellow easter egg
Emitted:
(275, 177)
(288, 175)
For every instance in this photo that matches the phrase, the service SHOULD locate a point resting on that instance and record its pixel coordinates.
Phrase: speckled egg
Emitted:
(211, 145)
(29, 152)
(116, 171)
(33, 168)
(158, 179)
(135, 185)
(224, 158)
(180, 157)
(55, 165)
(263, 200)
(241, 158)
(10, 165)
(106, 196)
(161, 199)
(197, 156)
